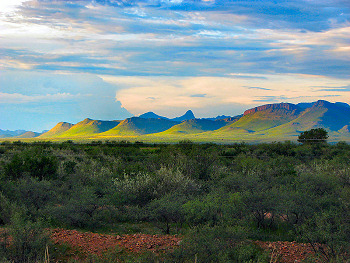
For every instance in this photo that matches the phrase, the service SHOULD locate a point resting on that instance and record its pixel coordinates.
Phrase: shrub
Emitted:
(29, 240)
(313, 136)
(33, 163)
(218, 244)
(6, 209)
(167, 210)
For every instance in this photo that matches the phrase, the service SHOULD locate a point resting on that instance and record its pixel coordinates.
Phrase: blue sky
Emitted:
(108, 59)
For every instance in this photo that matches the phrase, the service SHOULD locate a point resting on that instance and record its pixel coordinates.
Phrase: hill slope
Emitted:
(8, 134)
(60, 128)
(263, 118)
(88, 127)
(323, 114)
(28, 134)
(194, 126)
(271, 122)
(138, 126)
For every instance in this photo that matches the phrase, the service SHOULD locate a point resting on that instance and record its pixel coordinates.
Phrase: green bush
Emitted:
(165, 211)
(217, 244)
(29, 241)
(141, 188)
(33, 163)
(6, 210)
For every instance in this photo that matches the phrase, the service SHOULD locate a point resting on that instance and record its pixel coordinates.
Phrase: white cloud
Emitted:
(7, 6)
(17, 98)
(172, 96)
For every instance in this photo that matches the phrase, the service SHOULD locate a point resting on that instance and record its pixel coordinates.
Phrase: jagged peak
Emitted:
(187, 116)
(189, 113)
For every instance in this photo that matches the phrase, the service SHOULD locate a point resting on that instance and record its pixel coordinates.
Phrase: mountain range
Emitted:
(270, 122)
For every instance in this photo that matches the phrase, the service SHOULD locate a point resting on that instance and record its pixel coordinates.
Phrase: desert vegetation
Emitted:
(220, 200)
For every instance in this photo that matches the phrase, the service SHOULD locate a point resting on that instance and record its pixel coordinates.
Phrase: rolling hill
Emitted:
(138, 126)
(270, 122)
(8, 134)
(194, 126)
(263, 118)
(60, 128)
(322, 114)
(88, 127)
(28, 134)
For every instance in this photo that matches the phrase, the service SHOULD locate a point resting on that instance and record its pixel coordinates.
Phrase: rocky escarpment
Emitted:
(285, 106)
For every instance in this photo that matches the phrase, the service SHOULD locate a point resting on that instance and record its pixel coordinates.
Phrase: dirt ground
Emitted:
(97, 244)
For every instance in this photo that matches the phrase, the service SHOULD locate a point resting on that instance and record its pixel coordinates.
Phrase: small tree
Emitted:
(313, 136)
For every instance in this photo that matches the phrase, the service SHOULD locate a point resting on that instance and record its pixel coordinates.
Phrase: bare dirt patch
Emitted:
(288, 252)
(97, 244)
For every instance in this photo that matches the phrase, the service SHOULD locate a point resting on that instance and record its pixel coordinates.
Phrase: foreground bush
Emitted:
(25, 241)
(218, 244)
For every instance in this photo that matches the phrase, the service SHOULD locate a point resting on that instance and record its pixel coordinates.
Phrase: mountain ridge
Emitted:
(265, 122)
(136, 126)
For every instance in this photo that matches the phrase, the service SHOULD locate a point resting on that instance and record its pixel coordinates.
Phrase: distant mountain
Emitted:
(342, 104)
(8, 134)
(264, 117)
(322, 114)
(221, 117)
(280, 121)
(138, 126)
(60, 128)
(305, 105)
(88, 127)
(194, 126)
(232, 119)
(336, 115)
(187, 116)
(151, 115)
(28, 134)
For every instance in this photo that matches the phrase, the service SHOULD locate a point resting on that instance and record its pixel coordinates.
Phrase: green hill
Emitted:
(88, 127)
(28, 134)
(271, 122)
(138, 126)
(323, 114)
(263, 118)
(60, 128)
(194, 126)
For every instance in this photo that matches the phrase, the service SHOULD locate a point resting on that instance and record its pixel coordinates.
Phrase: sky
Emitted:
(112, 59)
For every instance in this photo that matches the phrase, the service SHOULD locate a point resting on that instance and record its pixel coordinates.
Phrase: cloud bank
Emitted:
(173, 46)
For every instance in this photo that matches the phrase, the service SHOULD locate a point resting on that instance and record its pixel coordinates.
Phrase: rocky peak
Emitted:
(278, 106)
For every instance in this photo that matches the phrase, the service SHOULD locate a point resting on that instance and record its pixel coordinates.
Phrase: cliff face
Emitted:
(272, 107)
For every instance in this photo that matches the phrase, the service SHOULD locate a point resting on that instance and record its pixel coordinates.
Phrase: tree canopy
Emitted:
(318, 135)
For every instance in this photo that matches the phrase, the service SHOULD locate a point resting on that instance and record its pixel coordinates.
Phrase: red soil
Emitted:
(287, 252)
(92, 243)
(85, 243)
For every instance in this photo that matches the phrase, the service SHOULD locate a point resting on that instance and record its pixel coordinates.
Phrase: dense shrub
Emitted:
(271, 191)
(218, 244)
(29, 241)
(32, 163)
